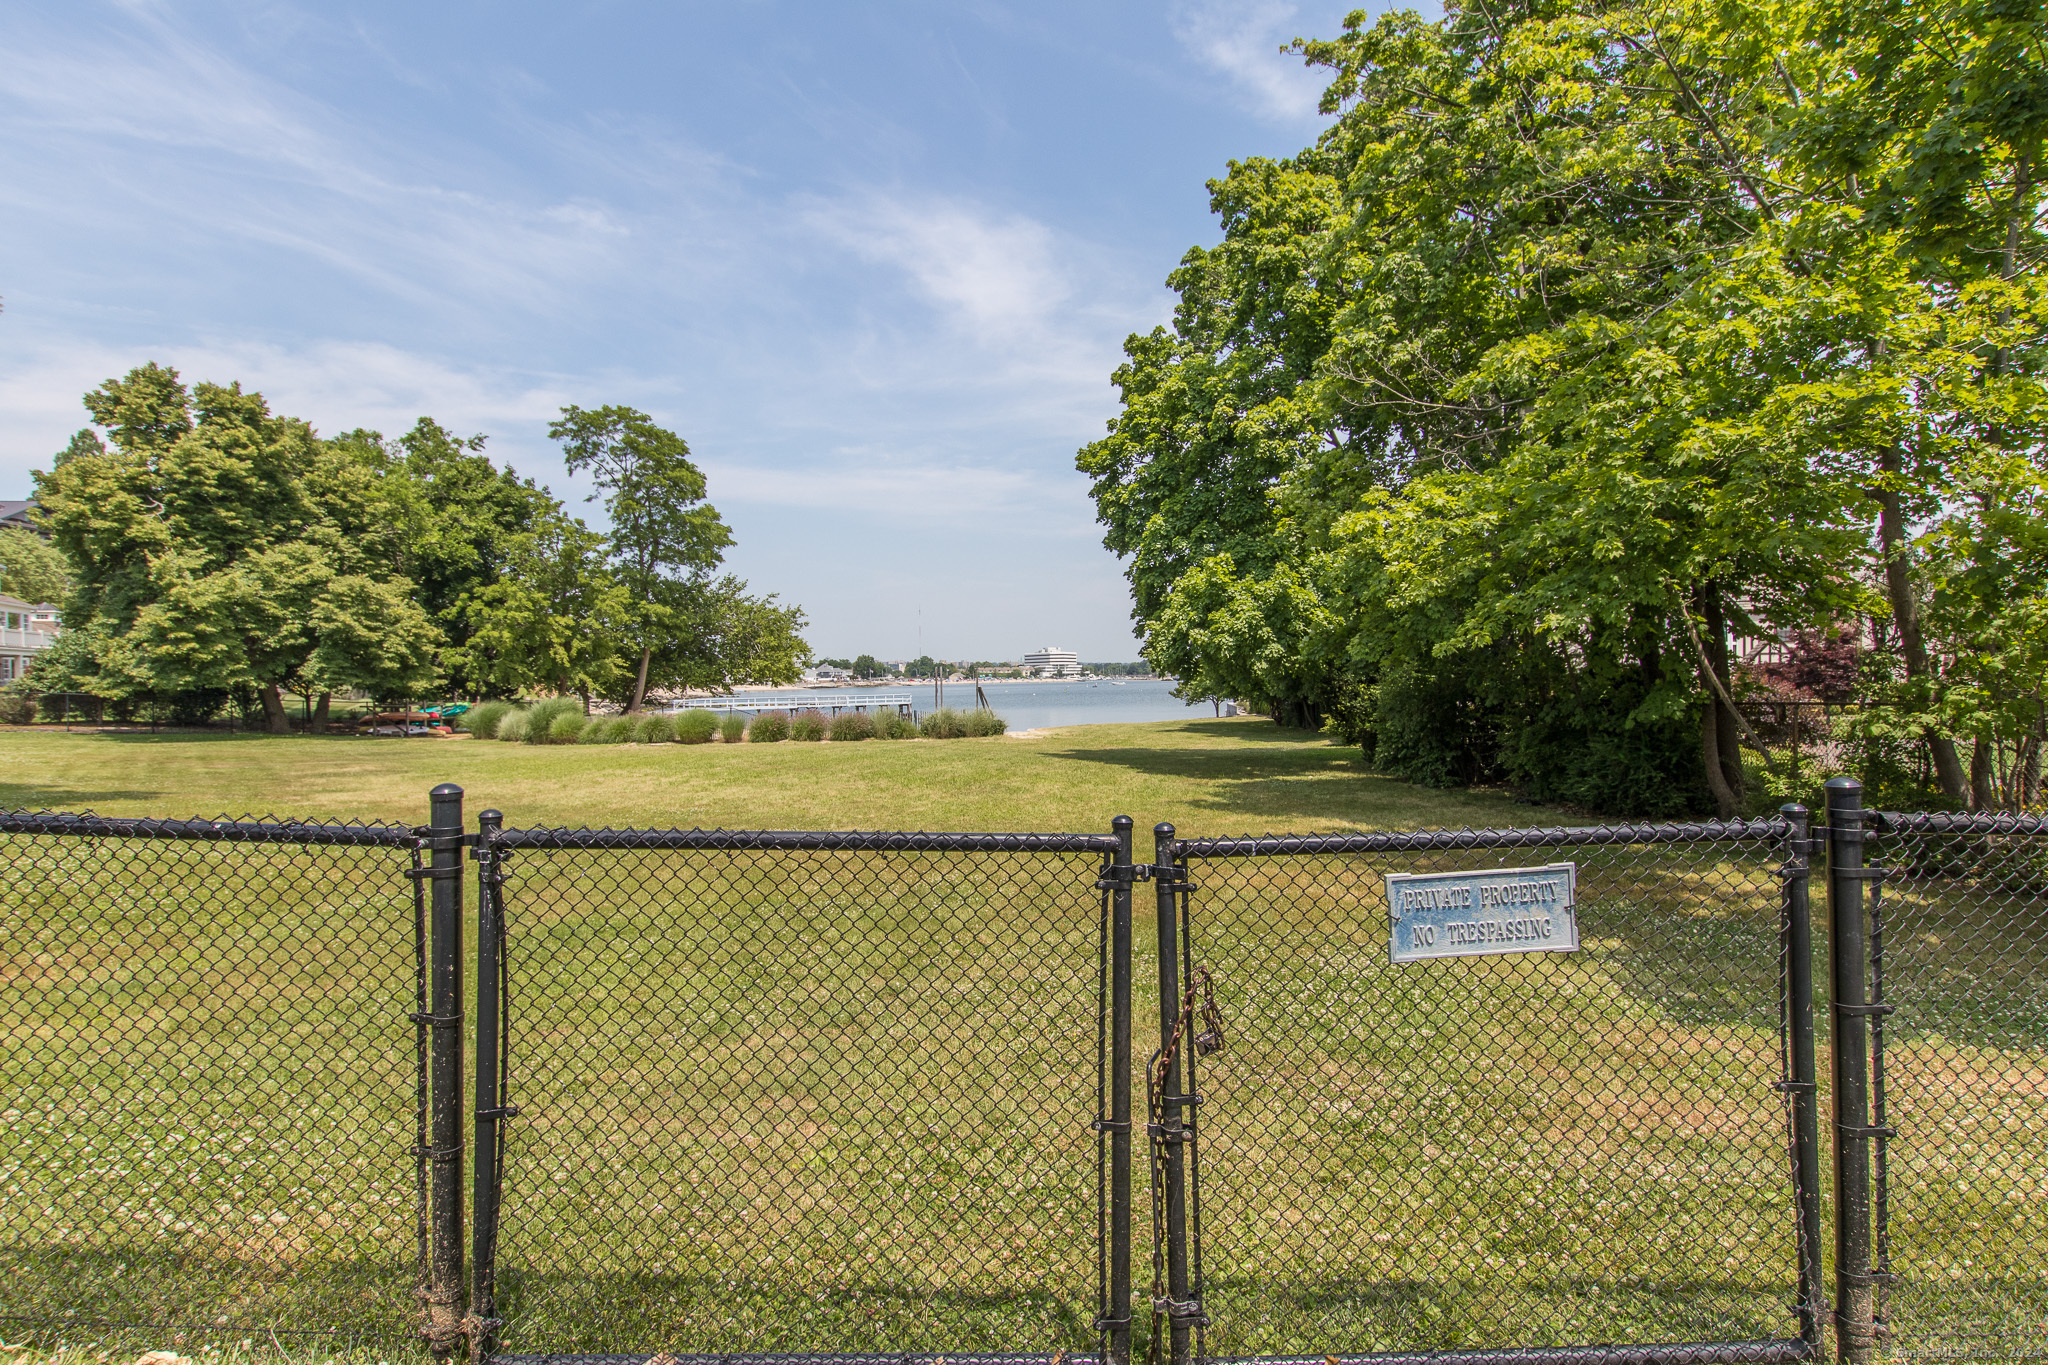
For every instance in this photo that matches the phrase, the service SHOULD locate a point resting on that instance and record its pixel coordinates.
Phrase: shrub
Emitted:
(808, 726)
(542, 715)
(566, 728)
(770, 727)
(17, 706)
(482, 721)
(894, 725)
(512, 726)
(655, 730)
(608, 730)
(733, 728)
(852, 725)
(981, 724)
(696, 727)
(944, 723)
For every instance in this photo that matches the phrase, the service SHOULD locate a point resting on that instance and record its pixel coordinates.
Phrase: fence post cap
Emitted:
(1843, 784)
(446, 789)
(1164, 829)
(1122, 822)
(491, 817)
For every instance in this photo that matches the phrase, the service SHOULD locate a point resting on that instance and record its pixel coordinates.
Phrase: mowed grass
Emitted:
(1205, 776)
(841, 1102)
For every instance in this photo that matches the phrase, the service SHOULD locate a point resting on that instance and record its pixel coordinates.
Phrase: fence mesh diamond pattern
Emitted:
(209, 1078)
(844, 1093)
(826, 1099)
(1960, 953)
(1536, 1149)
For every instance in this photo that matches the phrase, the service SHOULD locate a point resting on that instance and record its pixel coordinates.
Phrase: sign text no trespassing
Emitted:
(1468, 914)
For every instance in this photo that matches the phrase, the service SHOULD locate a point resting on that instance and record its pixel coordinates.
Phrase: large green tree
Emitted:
(216, 546)
(1589, 340)
(665, 538)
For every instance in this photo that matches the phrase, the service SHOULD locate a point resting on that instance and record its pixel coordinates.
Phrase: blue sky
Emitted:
(874, 261)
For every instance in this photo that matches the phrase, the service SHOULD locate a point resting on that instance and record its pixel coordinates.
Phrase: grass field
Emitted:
(841, 1101)
(1206, 776)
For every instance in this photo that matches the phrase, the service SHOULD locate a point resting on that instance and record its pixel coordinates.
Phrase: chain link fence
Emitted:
(752, 1094)
(211, 1085)
(800, 1093)
(1959, 966)
(1534, 1149)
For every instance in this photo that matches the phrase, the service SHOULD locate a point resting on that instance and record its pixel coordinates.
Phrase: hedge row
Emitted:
(560, 720)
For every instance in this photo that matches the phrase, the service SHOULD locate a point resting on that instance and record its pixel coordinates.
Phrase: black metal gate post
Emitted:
(1116, 1310)
(1801, 1077)
(444, 870)
(491, 1109)
(1855, 1284)
(1168, 1126)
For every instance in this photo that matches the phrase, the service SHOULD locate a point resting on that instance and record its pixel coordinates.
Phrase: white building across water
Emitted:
(1054, 662)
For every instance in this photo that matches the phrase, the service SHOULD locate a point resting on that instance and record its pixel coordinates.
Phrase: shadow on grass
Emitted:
(1297, 782)
(1253, 732)
(1317, 1314)
(724, 1312)
(32, 796)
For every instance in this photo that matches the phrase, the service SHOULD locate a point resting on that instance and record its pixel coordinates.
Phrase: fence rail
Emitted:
(746, 1094)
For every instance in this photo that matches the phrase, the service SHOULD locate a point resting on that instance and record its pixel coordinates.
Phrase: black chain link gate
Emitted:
(1602, 1155)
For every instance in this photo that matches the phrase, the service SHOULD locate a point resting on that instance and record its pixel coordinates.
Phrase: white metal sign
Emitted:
(1470, 914)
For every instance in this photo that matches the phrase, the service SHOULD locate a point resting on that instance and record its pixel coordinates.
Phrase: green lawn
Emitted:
(1206, 776)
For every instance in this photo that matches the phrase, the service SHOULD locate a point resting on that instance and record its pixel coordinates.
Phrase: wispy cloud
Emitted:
(1242, 40)
(336, 385)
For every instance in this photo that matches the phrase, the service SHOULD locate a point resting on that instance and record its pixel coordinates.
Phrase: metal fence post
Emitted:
(1855, 1287)
(1118, 1310)
(491, 1109)
(444, 870)
(1168, 1126)
(1801, 1078)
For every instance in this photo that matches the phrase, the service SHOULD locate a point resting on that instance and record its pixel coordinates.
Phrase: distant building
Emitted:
(827, 673)
(1053, 662)
(26, 630)
(16, 514)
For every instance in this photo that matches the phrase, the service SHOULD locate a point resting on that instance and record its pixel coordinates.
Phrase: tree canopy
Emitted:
(1589, 343)
(211, 549)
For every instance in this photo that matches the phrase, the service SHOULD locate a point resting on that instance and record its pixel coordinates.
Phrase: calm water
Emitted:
(1029, 705)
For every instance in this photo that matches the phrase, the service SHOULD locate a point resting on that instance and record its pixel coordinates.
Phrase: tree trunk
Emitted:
(320, 713)
(2030, 773)
(1727, 734)
(274, 718)
(1982, 796)
(1725, 804)
(640, 687)
(1898, 582)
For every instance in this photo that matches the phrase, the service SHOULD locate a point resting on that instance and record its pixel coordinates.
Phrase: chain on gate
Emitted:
(1208, 1043)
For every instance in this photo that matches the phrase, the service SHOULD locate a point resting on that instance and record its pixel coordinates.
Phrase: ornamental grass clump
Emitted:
(807, 726)
(696, 727)
(542, 715)
(566, 727)
(894, 725)
(982, 724)
(607, 730)
(512, 726)
(733, 728)
(482, 721)
(770, 727)
(655, 730)
(852, 725)
(944, 723)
